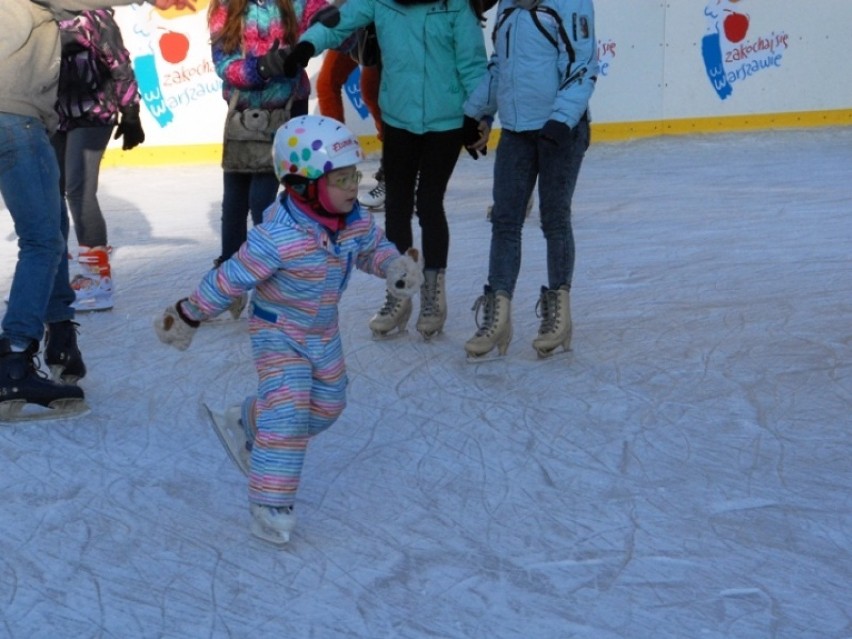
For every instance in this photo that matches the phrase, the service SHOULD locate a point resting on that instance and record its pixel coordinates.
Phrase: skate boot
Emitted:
(229, 429)
(93, 284)
(22, 384)
(555, 312)
(375, 197)
(61, 353)
(238, 305)
(433, 304)
(272, 524)
(393, 315)
(496, 326)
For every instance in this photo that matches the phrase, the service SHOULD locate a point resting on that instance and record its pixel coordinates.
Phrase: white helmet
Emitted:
(309, 146)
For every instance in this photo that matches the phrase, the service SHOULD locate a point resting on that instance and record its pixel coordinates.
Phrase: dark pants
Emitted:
(426, 162)
(244, 193)
(80, 152)
(521, 158)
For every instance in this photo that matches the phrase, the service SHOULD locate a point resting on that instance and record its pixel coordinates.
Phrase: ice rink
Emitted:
(683, 473)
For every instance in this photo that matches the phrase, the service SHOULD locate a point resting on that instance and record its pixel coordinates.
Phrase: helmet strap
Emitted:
(308, 198)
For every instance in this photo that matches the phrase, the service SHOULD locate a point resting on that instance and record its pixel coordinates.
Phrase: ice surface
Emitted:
(684, 473)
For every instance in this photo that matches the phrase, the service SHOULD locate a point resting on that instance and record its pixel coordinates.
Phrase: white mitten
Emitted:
(405, 275)
(174, 328)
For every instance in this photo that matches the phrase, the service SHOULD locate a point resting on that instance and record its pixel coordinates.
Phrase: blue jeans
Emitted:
(29, 182)
(521, 158)
(244, 193)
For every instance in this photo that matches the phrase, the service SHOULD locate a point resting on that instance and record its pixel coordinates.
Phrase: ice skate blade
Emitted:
(57, 374)
(91, 309)
(552, 353)
(278, 539)
(19, 410)
(394, 333)
(232, 445)
(428, 335)
(491, 356)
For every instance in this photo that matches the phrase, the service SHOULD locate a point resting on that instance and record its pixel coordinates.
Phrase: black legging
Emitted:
(427, 161)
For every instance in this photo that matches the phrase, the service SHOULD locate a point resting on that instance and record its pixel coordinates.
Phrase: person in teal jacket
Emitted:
(433, 57)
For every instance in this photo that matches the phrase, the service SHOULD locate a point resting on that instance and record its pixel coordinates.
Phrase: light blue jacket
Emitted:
(433, 56)
(544, 65)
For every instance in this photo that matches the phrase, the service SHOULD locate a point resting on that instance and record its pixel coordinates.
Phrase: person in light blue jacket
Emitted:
(540, 79)
(433, 57)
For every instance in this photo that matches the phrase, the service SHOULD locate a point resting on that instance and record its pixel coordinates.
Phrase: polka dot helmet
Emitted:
(309, 146)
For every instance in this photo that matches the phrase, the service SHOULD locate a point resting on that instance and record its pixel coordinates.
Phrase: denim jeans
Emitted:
(29, 182)
(244, 193)
(521, 158)
(80, 152)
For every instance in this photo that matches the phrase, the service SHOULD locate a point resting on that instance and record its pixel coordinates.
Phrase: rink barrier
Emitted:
(605, 132)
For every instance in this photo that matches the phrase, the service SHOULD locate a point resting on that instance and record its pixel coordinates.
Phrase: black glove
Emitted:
(327, 16)
(271, 63)
(554, 132)
(130, 126)
(471, 135)
(298, 59)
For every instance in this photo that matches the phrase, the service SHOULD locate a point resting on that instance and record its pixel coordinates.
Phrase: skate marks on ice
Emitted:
(684, 475)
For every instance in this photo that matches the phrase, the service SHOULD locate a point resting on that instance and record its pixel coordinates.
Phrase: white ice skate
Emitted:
(229, 429)
(238, 305)
(555, 311)
(495, 330)
(92, 283)
(393, 315)
(433, 304)
(272, 524)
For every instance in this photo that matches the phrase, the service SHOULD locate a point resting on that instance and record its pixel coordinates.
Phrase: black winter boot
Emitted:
(21, 383)
(61, 353)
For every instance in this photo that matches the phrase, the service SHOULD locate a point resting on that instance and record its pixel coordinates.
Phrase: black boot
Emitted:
(61, 353)
(21, 383)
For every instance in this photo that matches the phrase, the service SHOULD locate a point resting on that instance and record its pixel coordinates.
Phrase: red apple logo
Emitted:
(736, 26)
(174, 46)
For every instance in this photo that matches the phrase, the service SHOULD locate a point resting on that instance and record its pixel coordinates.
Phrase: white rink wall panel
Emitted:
(661, 62)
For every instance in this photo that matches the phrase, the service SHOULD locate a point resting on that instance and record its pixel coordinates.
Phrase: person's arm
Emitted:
(575, 91)
(63, 9)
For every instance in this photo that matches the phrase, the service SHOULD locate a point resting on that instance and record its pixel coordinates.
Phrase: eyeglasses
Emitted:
(344, 180)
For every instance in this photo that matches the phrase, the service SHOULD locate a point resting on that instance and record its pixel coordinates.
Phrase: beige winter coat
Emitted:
(29, 53)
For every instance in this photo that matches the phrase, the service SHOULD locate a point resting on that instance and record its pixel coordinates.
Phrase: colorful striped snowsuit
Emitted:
(299, 271)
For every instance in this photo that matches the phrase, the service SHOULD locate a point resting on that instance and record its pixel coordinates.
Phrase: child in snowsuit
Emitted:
(298, 261)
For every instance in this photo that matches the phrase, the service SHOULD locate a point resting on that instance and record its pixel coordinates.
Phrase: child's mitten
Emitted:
(405, 275)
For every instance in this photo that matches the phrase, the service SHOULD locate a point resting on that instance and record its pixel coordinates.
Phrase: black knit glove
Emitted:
(271, 63)
(470, 136)
(298, 59)
(554, 132)
(130, 128)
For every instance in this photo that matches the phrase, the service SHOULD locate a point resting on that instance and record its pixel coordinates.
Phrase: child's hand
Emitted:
(405, 275)
(175, 328)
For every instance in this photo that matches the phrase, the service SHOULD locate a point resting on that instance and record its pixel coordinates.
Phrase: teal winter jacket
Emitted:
(433, 56)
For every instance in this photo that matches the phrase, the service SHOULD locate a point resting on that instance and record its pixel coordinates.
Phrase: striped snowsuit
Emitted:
(299, 271)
